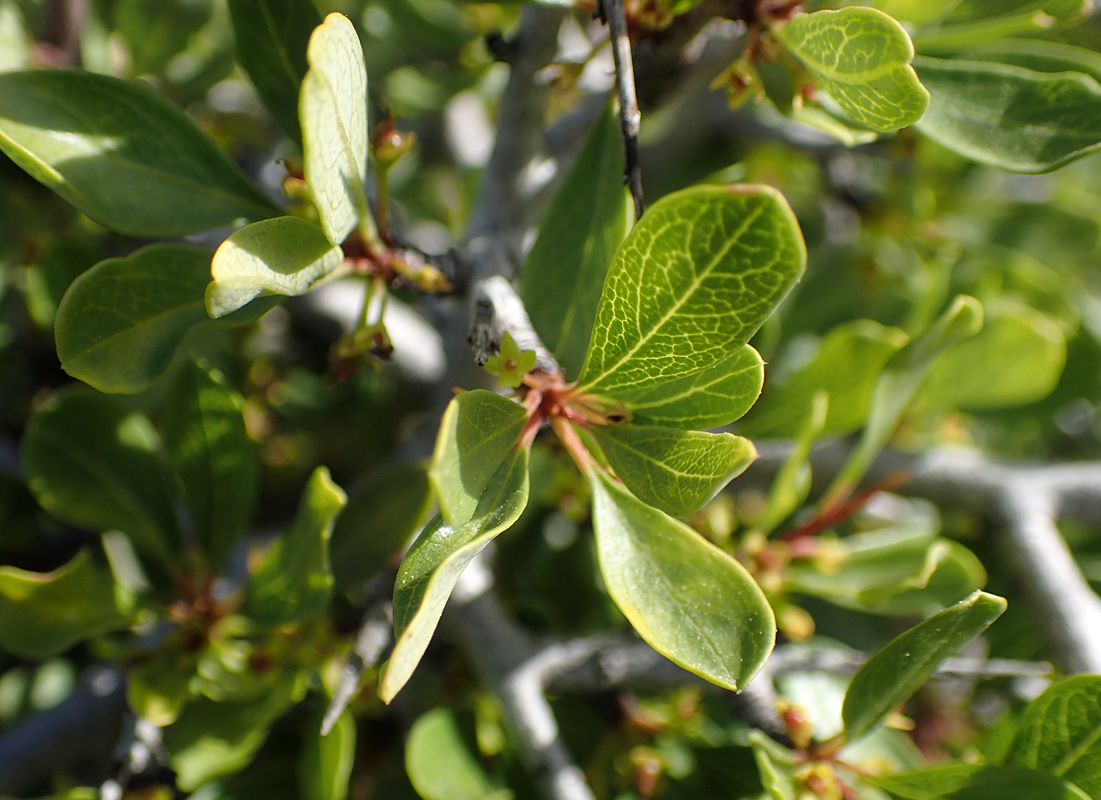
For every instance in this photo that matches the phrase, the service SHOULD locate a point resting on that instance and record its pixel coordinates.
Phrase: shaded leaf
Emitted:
(122, 154)
(1009, 117)
(44, 614)
(211, 453)
(92, 462)
(285, 255)
(899, 669)
(861, 57)
(579, 232)
(673, 470)
(709, 399)
(792, 484)
(436, 560)
(332, 109)
(325, 765)
(693, 280)
(690, 601)
(439, 764)
(478, 432)
(271, 38)
(1061, 733)
(293, 580)
(977, 782)
(776, 766)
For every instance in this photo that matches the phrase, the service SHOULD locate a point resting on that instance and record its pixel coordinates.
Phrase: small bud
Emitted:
(389, 144)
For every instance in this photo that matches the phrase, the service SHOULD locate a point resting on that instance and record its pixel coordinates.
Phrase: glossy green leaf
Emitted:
(122, 154)
(1009, 117)
(212, 739)
(439, 764)
(693, 280)
(977, 782)
(271, 38)
(846, 366)
(674, 470)
(996, 21)
(212, 455)
(775, 765)
(1061, 733)
(92, 462)
(861, 58)
(285, 255)
(478, 432)
(44, 614)
(436, 560)
(709, 399)
(898, 385)
(378, 522)
(293, 580)
(579, 232)
(332, 109)
(689, 600)
(1041, 56)
(325, 766)
(899, 669)
(1017, 358)
(122, 322)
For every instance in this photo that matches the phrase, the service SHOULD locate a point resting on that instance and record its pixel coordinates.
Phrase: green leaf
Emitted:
(121, 323)
(1009, 117)
(293, 580)
(709, 399)
(898, 384)
(332, 109)
(44, 614)
(793, 482)
(1041, 56)
(211, 739)
(977, 782)
(899, 669)
(378, 522)
(122, 154)
(478, 433)
(92, 462)
(285, 255)
(325, 765)
(689, 600)
(579, 232)
(849, 361)
(674, 470)
(693, 280)
(776, 766)
(211, 453)
(861, 57)
(440, 765)
(1016, 359)
(271, 38)
(436, 560)
(1061, 733)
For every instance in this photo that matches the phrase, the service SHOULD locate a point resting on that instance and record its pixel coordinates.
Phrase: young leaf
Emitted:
(44, 614)
(436, 560)
(1061, 733)
(440, 766)
(92, 462)
(478, 432)
(690, 601)
(579, 232)
(693, 280)
(122, 154)
(1009, 117)
(899, 669)
(775, 766)
(861, 57)
(271, 38)
(285, 255)
(332, 109)
(325, 766)
(977, 782)
(709, 399)
(293, 580)
(210, 451)
(674, 470)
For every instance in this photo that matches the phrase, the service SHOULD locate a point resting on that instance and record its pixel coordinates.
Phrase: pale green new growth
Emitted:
(332, 111)
(861, 58)
(285, 255)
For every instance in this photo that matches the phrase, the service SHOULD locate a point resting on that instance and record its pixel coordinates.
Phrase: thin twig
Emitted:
(630, 117)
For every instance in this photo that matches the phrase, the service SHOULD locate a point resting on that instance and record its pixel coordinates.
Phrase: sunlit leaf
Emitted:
(1061, 733)
(439, 764)
(977, 782)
